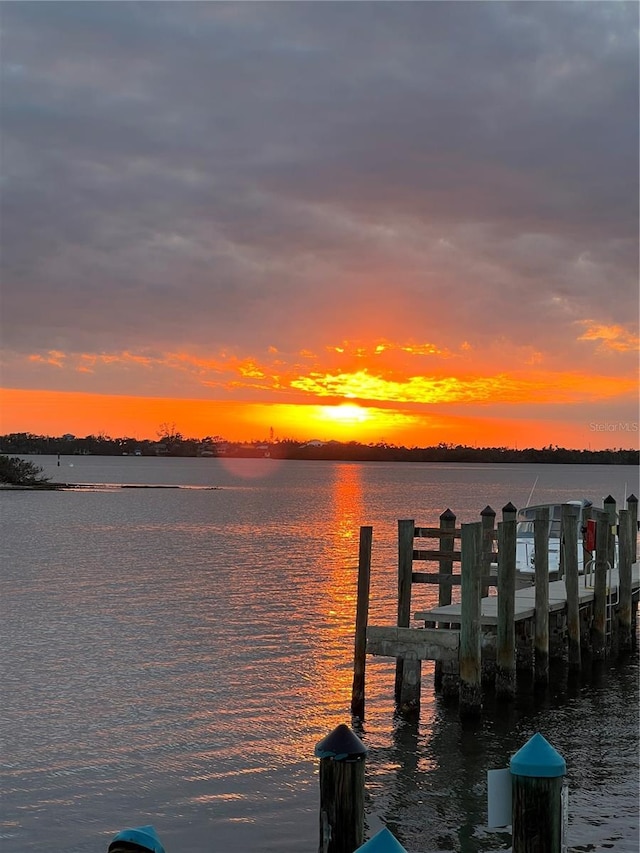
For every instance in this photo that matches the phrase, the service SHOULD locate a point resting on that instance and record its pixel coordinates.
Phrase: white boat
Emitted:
(525, 549)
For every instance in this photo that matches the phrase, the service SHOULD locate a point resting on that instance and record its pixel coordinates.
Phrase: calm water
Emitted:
(172, 656)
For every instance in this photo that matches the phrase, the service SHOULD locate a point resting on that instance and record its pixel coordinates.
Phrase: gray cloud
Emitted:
(246, 174)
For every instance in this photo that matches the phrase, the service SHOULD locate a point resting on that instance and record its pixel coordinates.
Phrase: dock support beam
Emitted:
(362, 618)
(625, 550)
(632, 506)
(470, 627)
(506, 634)
(541, 547)
(408, 671)
(569, 540)
(447, 544)
(599, 624)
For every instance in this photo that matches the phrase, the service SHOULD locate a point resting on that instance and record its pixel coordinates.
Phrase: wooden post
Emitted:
(625, 550)
(506, 632)
(342, 759)
(470, 627)
(599, 624)
(406, 532)
(569, 540)
(362, 618)
(632, 506)
(447, 545)
(587, 555)
(537, 772)
(609, 504)
(488, 516)
(541, 549)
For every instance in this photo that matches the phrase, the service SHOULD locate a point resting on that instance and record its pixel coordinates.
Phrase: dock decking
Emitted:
(525, 607)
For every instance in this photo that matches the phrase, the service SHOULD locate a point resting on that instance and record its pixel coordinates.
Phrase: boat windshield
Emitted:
(526, 518)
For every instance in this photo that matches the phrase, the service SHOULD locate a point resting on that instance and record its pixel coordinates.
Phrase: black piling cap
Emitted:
(609, 499)
(509, 508)
(632, 499)
(488, 511)
(447, 515)
(341, 744)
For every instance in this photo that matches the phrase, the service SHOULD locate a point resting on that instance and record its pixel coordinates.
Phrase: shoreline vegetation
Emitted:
(16, 473)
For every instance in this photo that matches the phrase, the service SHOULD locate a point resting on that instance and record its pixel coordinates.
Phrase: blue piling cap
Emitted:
(144, 836)
(382, 842)
(538, 758)
(341, 744)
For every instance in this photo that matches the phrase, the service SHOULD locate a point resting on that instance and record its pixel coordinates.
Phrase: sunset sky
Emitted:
(403, 222)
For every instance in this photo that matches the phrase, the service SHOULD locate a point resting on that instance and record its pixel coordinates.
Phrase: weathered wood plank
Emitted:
(436, 532)
(417, 643)
(436, 555)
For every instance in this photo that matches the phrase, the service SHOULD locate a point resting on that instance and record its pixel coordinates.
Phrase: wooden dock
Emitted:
(492, 635)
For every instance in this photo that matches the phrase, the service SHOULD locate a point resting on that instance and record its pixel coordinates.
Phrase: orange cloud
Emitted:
(613, 337)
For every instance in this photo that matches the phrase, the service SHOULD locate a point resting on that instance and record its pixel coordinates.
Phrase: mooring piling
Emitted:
(342, 764)
(537, 771)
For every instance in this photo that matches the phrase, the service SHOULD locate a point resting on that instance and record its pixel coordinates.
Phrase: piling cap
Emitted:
(488, 511)
(341, 744)
(632, 499)
(144, 836)
(538, 758)
(382, 842)
(509, 508)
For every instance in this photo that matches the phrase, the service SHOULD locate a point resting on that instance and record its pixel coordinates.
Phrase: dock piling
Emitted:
(632, 506)
(569, 540)
(541, 546)
(342, 759)
(362, 618)
(599, 623)
(625, 550)
(505, 684)
(470, 627)
(537, 803)
(447, 544)
(408, 668)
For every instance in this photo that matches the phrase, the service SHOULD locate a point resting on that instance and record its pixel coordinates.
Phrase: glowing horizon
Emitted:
(58, 413)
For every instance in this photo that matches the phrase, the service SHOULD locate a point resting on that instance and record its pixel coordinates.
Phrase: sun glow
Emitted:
(346, 413)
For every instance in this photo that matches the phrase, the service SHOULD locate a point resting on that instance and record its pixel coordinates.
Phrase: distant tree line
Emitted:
(171, 443)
